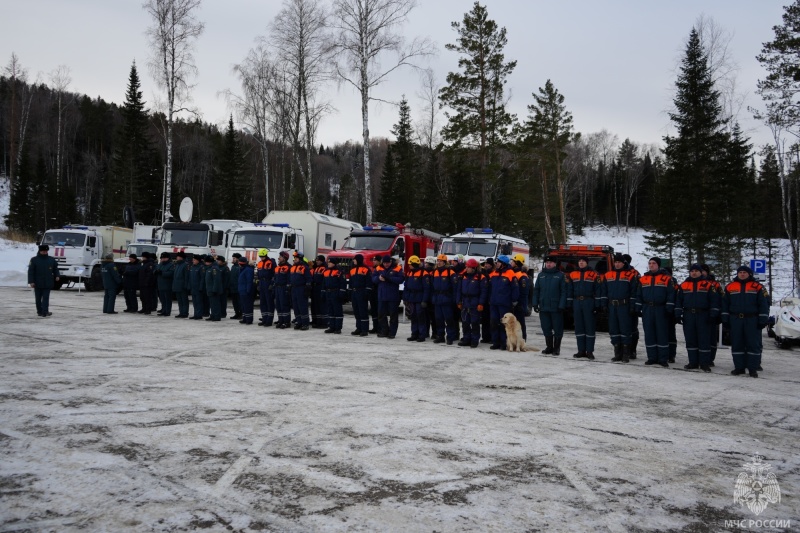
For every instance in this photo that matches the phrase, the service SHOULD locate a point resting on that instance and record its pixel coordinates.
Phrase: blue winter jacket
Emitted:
(472, 290)
(389, 288)
(550, 291)
(417, 286)
(245, 284)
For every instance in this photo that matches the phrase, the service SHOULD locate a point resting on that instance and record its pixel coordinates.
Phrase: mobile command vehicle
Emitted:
(79, 250)
(398, 241)
(276, 238)
(480, 243)
(321, 234)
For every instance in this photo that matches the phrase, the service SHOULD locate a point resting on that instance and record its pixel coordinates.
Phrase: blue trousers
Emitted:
(552, 323)
(445, 321)
(215, 301)
(266, 303)
(183, 303)
(246, 306)
(109, 299)
(496, 312)
(696, 327)
(619, 324)
(745, 342)
(333, 315)
(521, 313)
(131, 303)
(360, 309)
(585, 325)
(387, 317)
(471, 321)
(300, 305)
(319, 307)
(165, 297)
(656, 332)
(282, 304)
(198, 304)
(419, 319)
(42, 297)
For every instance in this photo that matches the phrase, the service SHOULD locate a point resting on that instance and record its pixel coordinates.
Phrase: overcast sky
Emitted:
(614, 61)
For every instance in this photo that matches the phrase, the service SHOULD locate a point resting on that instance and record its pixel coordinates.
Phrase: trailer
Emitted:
(276, 238)
(321, 234)
(79, 250)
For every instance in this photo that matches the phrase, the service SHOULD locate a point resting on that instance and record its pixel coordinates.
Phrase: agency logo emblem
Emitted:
(757, 487)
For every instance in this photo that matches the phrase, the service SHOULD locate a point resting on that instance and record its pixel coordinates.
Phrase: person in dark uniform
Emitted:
(181, 285)
(697, 307)
(416, 290)
(360, 284)
(584, 289)
(524, 282)
(655, 301)
(387, 279)
(334, 287)
(471, 297)
(165, 271)
(233, 286)
(225, 273)
(319, 300)
(503, 295)
(42, 278)
(215, 286)
(197, 283)
(300, 282)
(130, 283)
(111, 283)
(373, 298)
(634, 316)
(550, 300)
(282, 296)
(246, 290)
(713, 329)
(265, 274)
(443, 286)
(672, 324)
(486, 324)
(745, 309)
(147, 284)
(618, 296)
(429, 265)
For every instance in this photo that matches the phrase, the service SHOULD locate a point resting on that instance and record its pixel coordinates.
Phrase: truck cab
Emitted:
(192, 238)
(276, 238)
(480, 243)
(398, 241)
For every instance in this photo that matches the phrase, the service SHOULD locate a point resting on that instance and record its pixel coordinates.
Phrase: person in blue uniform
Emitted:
(360, 284)
(386, 279)
(471, 296)
(215, 285)
(524, 282)
(655, 301)
(443, 288)
(233, 287)
(416, 290)
(247, 290)
(319, 300)
(197, 282)
(225, 274)
(111, 282)
(334, 288)
(181, 285)
(130, 284)
(584, 289)
(697, 307)
(745, 309)
(147, 281)
(265, 274)
(300, 282)
(618, 297)
(550, 300)
(503, 296)
(164, 272)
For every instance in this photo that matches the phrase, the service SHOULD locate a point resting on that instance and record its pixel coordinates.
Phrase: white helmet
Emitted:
(430, 260)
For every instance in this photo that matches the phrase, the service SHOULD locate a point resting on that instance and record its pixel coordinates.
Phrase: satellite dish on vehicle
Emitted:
(127, 217)
(186, 209)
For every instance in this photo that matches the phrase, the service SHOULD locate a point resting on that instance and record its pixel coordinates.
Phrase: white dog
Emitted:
(514, 340)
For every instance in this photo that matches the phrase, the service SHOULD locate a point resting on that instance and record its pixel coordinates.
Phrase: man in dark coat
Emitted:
(655, 301)
(165, 271)
(130, 283)
(42, 277)
(215, 286)
(247, 290)
(745, 309)
(197, 284)
(360, 284)
(111, 282)
(697, 307)
(233, 287)
(181, 285)
(583, 295)
(387, 279)
(550, 300)
(334, 287)
(147, 283)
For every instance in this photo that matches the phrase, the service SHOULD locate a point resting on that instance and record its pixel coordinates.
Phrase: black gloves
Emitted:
(536, 309)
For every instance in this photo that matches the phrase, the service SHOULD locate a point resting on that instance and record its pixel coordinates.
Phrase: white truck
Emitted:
(322, 234)
(79, 250)
(480, 243)
(145, 239)
(208, 237)
(276, 238)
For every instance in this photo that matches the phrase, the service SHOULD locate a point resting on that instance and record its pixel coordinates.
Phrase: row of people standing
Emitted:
(699, 303)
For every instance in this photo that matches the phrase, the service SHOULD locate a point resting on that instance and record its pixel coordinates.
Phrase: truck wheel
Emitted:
(95, 281)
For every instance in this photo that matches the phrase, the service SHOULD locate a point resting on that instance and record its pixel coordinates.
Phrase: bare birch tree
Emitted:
(724, 68)
(60, 79)
(172, 37)
(365, 32)
(298, 35)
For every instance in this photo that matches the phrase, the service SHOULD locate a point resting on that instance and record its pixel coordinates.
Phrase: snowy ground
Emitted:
(134, 423)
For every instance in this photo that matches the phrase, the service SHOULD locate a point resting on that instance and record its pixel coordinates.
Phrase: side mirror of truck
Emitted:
(291, 240)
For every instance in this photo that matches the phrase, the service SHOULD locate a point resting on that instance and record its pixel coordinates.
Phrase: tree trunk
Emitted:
(546, 207)
(365, 133)
(561, 194)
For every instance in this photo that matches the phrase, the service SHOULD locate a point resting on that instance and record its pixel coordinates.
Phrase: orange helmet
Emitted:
(441, 257)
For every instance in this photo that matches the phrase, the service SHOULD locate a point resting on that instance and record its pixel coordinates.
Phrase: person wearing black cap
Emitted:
(387, 279)
(225, 274)
(584, 287)
(697, 307)
(42, 278)
(360, 284)
(373, 298)
(111, 282)
(197, 283)
(300, 282)
(165, 271)
(745, 308)
(444, 281)
(265, 274)
(233, 287)
(550, 300)
(714, 326)
(655, 301)
(334, 287)
(246, 289)
(319, 302)
(634, 317)
(281, 289)
(617, 295)
(181, 285)
(215, 285)
(486, 320)
(130, 283)
(147, 284)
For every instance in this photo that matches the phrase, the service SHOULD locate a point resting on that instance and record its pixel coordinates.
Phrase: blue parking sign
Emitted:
(758, 266)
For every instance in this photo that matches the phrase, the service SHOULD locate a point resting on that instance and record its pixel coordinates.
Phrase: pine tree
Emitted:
(406, 166)
(231, 186)
(20, 199)
(477, 116)
(387, 211)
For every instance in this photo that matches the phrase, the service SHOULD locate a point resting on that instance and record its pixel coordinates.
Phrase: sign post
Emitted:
(759, 268)
(79, 272)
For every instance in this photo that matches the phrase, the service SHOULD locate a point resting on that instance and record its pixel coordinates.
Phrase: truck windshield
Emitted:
(369, 242)
(482, 249)
(454, 248)
(185, 237)
(257, 239)
(139, 248)
(64, 238)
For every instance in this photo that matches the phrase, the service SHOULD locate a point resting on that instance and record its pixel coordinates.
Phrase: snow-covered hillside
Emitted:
(14, 256)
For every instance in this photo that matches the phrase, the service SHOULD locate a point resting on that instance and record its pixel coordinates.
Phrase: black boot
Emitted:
(557, 346)
(617, 353)
(626, 353)
(549, 342)
(633, 349)
(589, 356)
(579, 355)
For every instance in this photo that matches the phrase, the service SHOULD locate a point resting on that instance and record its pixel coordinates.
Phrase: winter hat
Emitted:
(744, 268)
(43, 248)
(181, 254)
(627, 258)
(221, 258)
(236, 255)
(321, 258)
(132, 256)
(657, 260)
(109, 257)
(549, 258)
(284, 254)
(242, 260)
(490, 261)
(705, 268)
(208, 259)
(583, 258)
(198, 258)
(359, 259)
(386, 259)
(697, 267)
(619, 258)
(164, 255)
